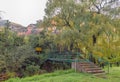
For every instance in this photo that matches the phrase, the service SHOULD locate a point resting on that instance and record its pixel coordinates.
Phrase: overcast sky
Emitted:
(22, 11)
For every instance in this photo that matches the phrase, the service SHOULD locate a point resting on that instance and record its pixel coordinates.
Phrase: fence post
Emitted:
(108, 67)
(75, 64)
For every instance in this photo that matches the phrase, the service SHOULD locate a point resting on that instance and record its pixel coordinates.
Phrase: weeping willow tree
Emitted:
(108, 45)
(88, 26)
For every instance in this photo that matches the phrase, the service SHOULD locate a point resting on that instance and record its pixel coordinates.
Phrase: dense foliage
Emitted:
(90, 28)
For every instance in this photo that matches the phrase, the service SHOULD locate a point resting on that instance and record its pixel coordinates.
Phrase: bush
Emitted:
(11, 74)
(31, 70)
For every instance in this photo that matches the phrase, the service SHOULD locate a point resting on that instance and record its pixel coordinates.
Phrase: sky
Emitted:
(23, 12)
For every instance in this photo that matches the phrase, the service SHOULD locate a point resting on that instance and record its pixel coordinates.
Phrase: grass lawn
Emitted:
(71, 76)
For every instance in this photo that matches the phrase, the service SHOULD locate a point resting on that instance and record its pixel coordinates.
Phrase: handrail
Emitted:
(68, 60)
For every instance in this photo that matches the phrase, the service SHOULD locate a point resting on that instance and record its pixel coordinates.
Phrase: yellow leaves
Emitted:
(71, 23)
(53, 22)
(114, 29)
(94, 14)
(91, 24)
(60, 21)
(1, 28)
(100, 54)
(26, 39)
(82, 24)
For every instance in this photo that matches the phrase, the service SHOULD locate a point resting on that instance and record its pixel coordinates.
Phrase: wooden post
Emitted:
(108, 68)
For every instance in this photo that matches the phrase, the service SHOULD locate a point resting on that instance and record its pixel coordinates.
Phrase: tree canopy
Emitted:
(89, 25)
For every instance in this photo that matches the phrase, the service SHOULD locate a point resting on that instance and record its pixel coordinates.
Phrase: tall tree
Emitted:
(89, 19)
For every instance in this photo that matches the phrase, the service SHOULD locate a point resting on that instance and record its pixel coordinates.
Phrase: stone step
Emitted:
(86, 64)
(101, 75)
(89, 66)
(95, 71)
(88, 69)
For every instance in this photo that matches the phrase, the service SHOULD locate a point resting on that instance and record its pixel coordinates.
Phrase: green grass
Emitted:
(71, 76)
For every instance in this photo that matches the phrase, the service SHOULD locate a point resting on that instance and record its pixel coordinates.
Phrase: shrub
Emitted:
(31, 70)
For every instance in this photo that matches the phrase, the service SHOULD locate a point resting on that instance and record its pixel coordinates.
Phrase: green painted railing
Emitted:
(68, 60)
(68, 57)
